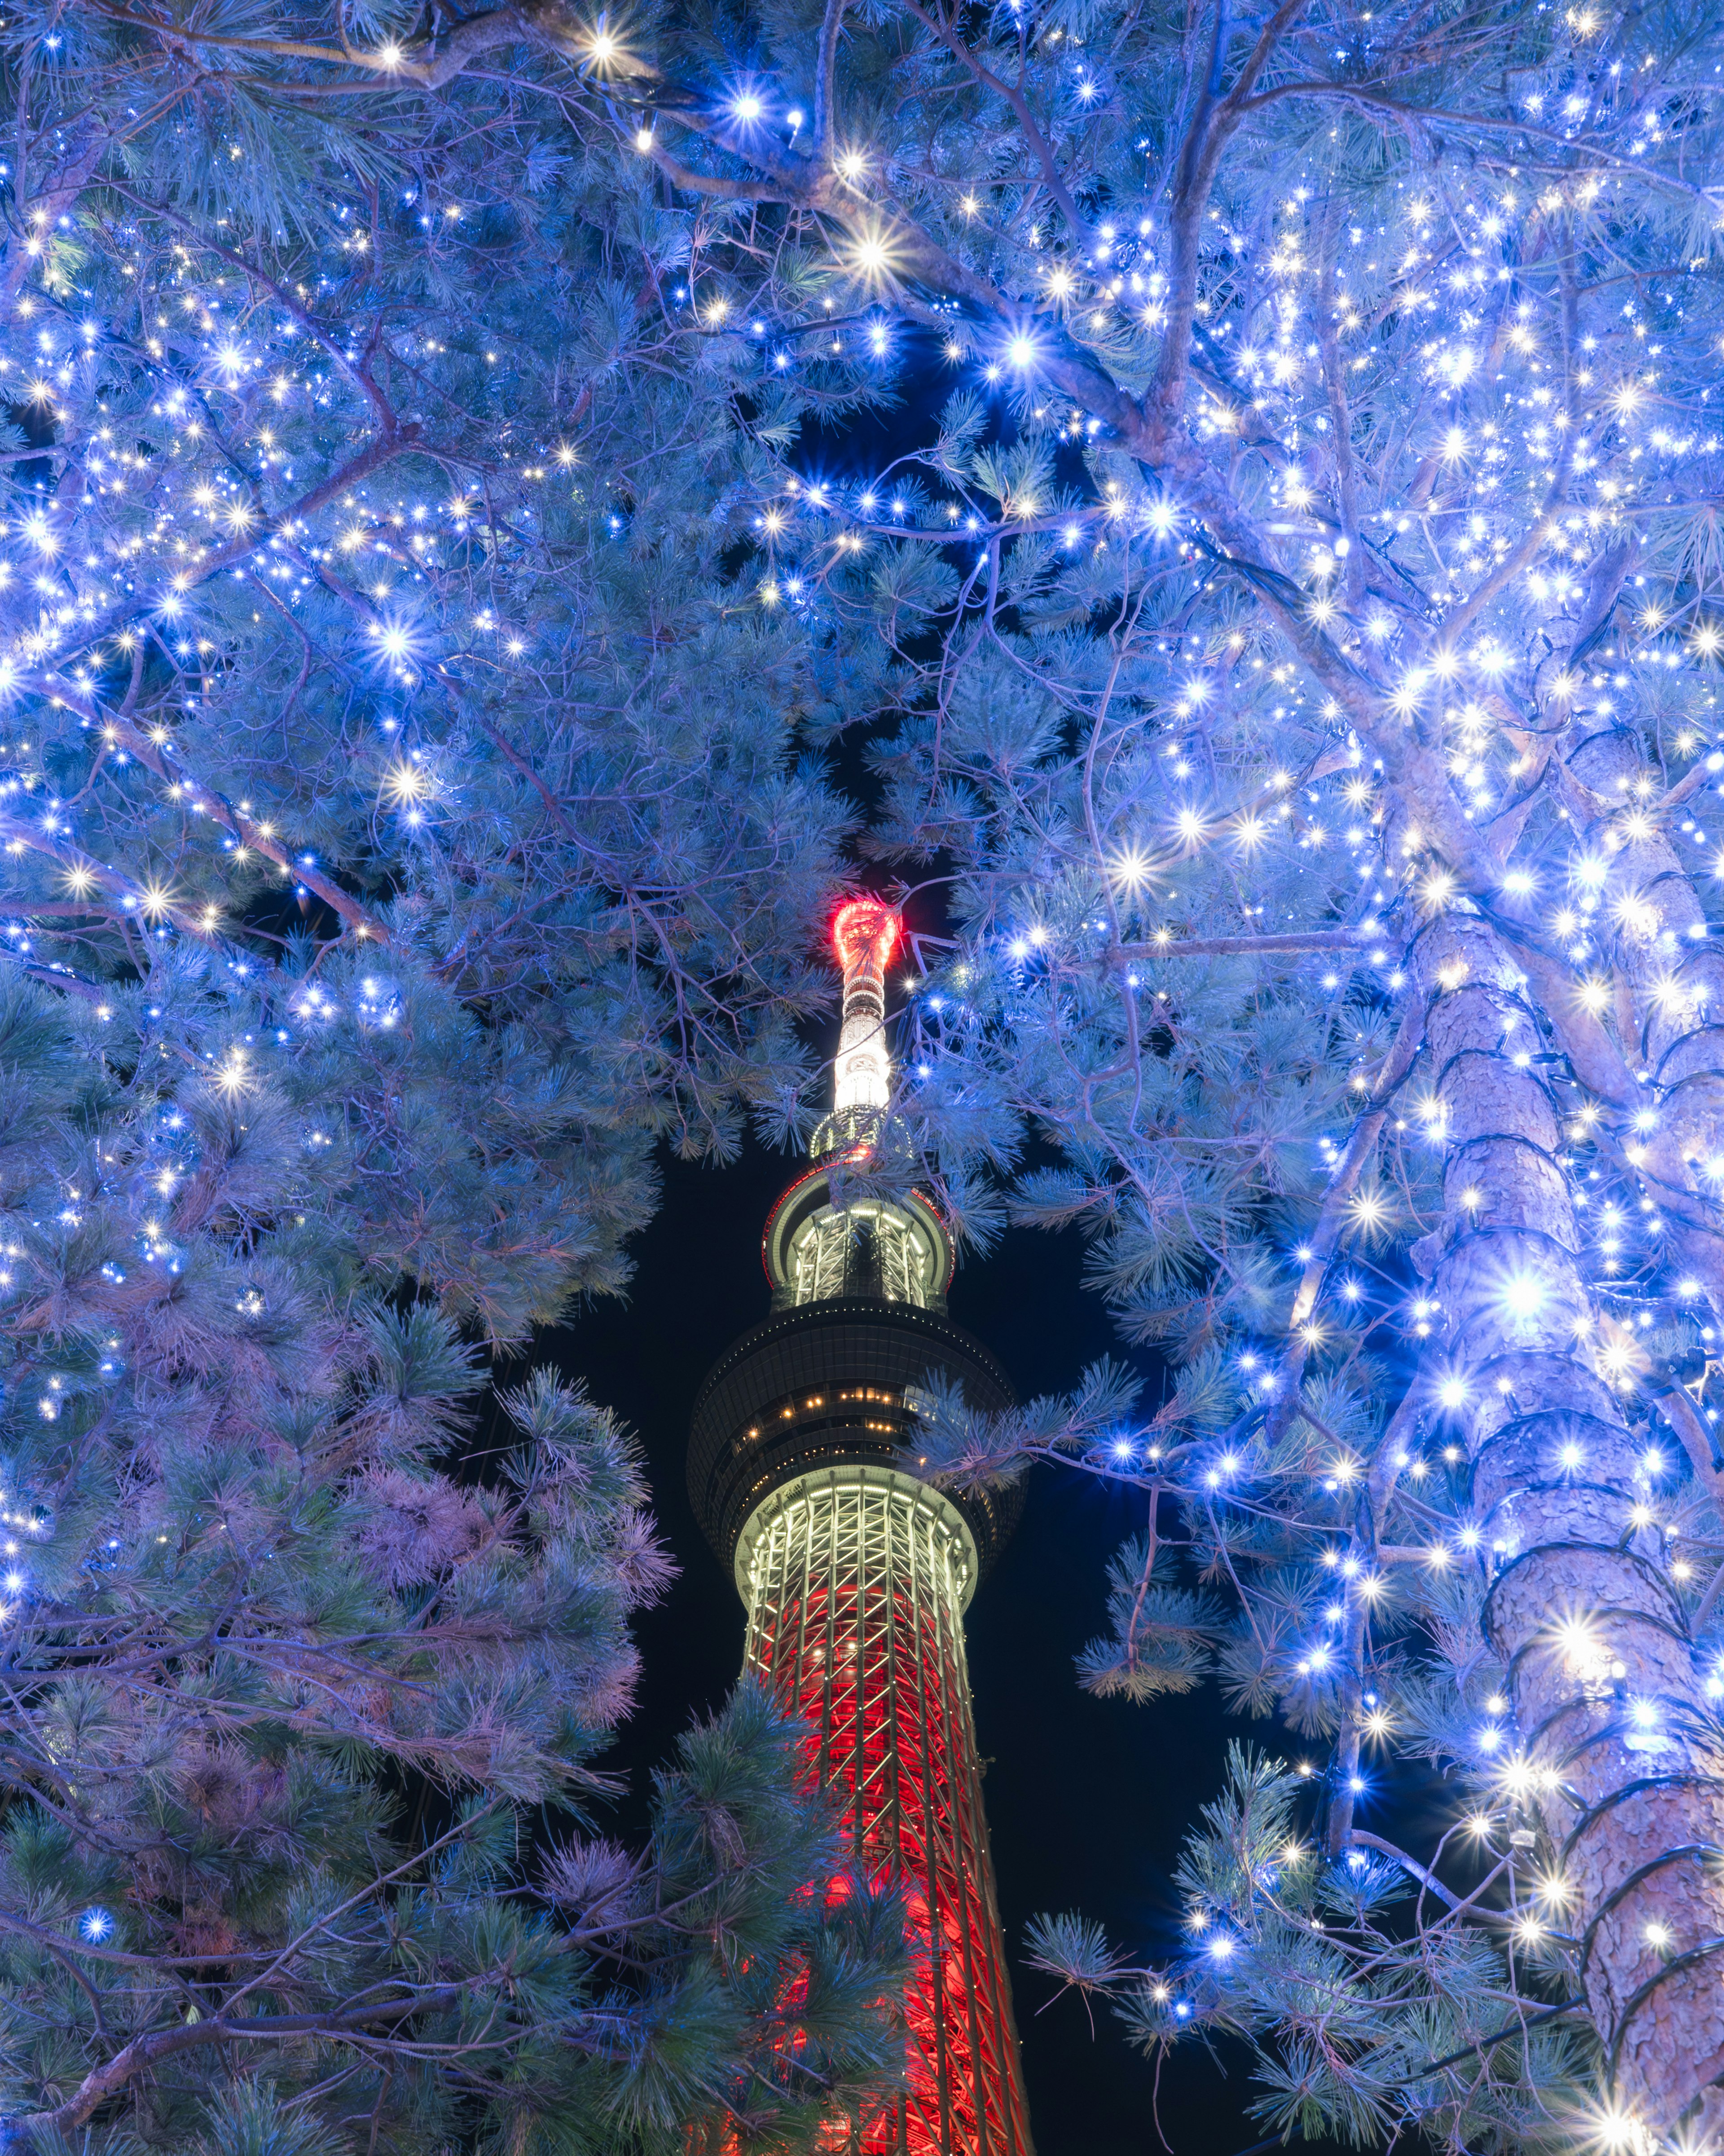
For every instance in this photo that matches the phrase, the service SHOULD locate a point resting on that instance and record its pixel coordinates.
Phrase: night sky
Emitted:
(1088, 1799)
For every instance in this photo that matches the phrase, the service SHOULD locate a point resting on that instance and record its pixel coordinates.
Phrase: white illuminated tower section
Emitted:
(865, 936)
(804, 1466)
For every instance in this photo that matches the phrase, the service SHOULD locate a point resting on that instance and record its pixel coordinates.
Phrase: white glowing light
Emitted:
(871, 257)
(1523, 1294)
(1131, 868)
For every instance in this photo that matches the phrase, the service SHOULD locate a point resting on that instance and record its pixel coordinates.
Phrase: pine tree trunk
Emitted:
(1589, 1631)
(1673, 972)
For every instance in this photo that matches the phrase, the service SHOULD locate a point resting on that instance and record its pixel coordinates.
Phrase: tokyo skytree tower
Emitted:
(805, 1468)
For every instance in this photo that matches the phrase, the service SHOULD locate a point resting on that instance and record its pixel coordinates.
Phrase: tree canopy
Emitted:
(388, 866)
(1285, 677)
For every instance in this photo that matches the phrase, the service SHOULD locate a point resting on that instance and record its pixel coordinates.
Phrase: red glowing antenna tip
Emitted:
(863, 931)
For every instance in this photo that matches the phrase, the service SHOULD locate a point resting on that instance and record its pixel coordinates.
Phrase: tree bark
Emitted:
(1614, 1736)
(1674, 972)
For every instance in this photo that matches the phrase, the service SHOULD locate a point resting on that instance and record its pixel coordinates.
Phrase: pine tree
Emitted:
(401, 835)
(1294, 658)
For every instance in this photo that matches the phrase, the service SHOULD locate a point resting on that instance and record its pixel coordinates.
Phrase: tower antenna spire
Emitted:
(864, 934)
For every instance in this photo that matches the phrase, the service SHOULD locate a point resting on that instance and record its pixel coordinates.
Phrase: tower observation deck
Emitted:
(806, 1471)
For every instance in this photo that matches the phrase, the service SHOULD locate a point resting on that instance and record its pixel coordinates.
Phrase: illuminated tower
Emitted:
(803, 1465)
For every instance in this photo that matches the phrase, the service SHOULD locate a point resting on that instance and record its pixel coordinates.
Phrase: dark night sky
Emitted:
(1088, 1799)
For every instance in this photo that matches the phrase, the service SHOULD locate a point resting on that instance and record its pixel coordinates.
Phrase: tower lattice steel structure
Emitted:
(803, 1465)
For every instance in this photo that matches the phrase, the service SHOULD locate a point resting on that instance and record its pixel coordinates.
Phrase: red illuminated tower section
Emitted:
(806, 1469)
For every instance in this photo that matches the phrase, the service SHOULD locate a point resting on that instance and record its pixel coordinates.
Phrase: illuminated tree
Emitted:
(1293, 660)
(1299, 673)
(387, 863)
